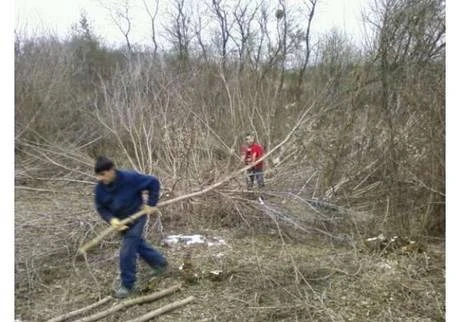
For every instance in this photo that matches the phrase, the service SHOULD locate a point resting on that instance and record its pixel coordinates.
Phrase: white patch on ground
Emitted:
(387, 267)
(187, 240)
(219, 255)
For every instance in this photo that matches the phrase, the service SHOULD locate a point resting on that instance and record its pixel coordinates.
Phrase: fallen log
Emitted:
(131, 302)
(79, 311)
(164, 309)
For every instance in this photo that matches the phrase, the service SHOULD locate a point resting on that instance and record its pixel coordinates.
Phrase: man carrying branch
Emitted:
(118, 194)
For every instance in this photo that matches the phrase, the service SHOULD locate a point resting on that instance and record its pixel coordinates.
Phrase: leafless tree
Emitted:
(244, 17)
(179, 29)
(153, 13)
(410, 44)
(282, 26)
(226, 24)
(259, 38)
(311, 6)
(200, 21)
(268, 51)
(120, 14)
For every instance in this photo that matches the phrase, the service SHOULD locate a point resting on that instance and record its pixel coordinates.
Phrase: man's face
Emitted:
(106, 177)
(249, 139)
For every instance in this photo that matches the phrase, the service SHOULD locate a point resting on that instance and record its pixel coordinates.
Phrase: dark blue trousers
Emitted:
(133, 244)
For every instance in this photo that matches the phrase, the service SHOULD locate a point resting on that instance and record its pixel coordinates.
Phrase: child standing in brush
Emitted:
(250, 153)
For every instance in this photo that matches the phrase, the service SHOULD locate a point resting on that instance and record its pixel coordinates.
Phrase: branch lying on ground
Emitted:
(164, 309)
(125, 304)
(79, 311)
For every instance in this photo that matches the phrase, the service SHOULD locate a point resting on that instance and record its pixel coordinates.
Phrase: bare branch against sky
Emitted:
(56, 16)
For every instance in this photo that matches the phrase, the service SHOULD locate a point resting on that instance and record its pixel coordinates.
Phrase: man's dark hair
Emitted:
(103, 164)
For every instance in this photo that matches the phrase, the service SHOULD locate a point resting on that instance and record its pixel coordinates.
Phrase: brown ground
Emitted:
(299, 277)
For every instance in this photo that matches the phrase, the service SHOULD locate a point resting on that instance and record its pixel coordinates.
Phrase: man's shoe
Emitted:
(122, 292)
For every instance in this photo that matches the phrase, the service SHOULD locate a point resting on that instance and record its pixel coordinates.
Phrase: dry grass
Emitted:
(272, 270)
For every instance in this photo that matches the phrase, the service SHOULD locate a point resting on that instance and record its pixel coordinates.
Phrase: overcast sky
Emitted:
(36, 16)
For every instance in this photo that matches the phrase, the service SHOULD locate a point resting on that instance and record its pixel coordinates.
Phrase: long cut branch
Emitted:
(141, 213)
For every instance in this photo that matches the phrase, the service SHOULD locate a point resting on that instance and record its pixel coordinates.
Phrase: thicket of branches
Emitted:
(373, 141)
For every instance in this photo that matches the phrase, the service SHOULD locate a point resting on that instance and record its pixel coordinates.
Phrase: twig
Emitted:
(139, 214)
(92, 183)
(91, 272)
(132, 302)
(164, 309)
(79, 311)
(46, 190)
(277, 307)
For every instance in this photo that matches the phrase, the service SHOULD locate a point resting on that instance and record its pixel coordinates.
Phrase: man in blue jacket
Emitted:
(118, 194)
